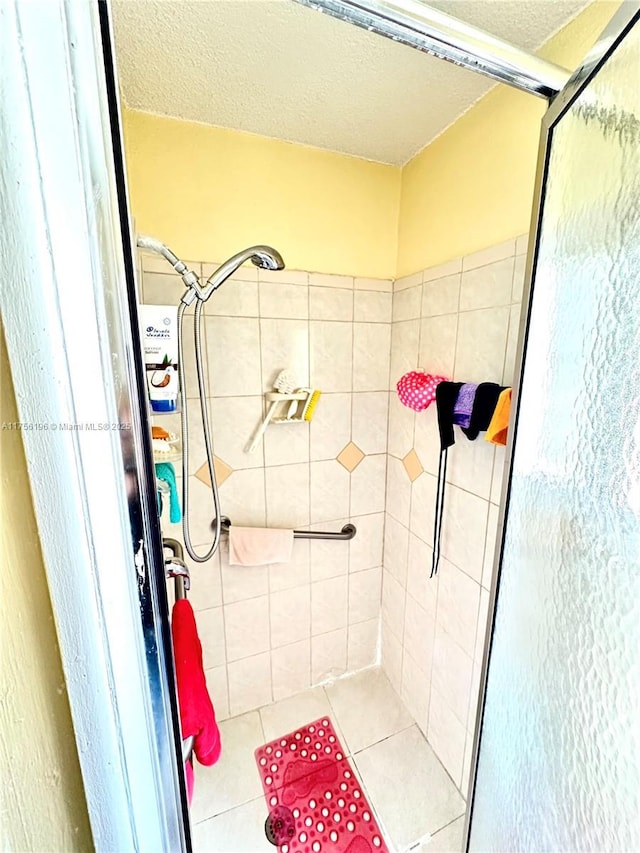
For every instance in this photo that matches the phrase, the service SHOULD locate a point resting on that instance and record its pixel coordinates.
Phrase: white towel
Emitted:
(259, 546)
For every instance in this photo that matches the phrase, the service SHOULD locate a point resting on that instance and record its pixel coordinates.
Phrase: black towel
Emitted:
(484, 405)
(446, 396)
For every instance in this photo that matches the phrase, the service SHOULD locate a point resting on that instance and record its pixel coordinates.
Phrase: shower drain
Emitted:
(280, 826)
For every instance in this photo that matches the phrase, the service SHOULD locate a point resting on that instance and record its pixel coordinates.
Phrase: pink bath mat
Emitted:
(315, 802)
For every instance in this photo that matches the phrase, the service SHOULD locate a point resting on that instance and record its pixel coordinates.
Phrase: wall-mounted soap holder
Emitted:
(293, 407)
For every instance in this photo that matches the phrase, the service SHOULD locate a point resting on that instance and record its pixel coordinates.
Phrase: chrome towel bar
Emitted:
(347, 532)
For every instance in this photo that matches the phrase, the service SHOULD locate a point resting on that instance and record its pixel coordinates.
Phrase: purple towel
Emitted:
(464, 404)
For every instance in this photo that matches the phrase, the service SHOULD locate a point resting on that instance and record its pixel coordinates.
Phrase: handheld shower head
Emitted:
(263, 257)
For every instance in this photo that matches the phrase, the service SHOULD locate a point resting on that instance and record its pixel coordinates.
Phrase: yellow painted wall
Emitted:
(472, 187)
(209, 192)
(43, 803)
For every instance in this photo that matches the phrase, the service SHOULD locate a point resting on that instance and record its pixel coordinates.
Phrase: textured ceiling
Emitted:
(278, 69)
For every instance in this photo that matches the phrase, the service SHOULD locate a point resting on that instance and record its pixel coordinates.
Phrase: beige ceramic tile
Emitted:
(318, 279)
(443, 270)
(393, 604)
(234, 779)
(391, 654)
(463, 531)
(371, 374)
(407, 281)
(420, 585)
(218, 691)
(372, 306)
(412, 465)
(405, 338)
(350, 456)
(407, 813)
(365, 590)
(369, 420)
(402, 420)
(441, 296)
(242, 497)
(398, 491)
(329, 605)
(233, 349)
(285, 276)
(482, 339)
(329, 657)
(329, 490)
(211, 632)
(490, 546)
(363, 644)
(220, 468)
(488, 286)
(236, 298)
(415, 691)
(249, 683)
(331, 303)
(235, 831)
(458, 604)
(418, 634)
(289, 714)
(246, 626)
(286, 301)
(368, 689)
(447, 737)
(396, 543)
(365, 549)
(288, 495)
(330, 429)
(407, 304)
(284, 344)
(367, 485)
(290, 616)
(447, 840)
(489, 256)
(291, 669)
(438, 337)
(382, 284)
(451, 674)
(331, 353)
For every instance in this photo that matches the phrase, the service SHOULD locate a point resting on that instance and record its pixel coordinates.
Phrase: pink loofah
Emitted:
(417, 389)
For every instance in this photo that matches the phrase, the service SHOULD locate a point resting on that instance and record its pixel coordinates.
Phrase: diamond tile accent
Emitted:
(223, 472)
(350, 456)
(412, 465)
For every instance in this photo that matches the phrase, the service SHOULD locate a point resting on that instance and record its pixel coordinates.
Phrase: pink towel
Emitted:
(259, 546)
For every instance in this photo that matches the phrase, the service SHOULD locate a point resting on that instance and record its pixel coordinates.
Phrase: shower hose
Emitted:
(184, 420)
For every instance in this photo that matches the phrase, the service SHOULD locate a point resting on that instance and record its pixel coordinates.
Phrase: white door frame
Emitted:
(66, 305)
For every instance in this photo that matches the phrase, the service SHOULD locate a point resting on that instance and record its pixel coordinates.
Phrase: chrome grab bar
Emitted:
(347, 532)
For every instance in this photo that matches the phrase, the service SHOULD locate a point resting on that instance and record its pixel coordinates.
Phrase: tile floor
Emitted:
(406, 785)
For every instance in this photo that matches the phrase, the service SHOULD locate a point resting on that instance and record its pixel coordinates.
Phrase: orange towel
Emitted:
(497, 429)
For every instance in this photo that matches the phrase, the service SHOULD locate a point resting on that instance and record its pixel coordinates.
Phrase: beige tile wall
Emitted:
(460, 320)
(271, 632)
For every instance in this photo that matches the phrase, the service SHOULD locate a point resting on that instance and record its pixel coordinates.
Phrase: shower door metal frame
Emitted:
(70, 319)
(627, 16)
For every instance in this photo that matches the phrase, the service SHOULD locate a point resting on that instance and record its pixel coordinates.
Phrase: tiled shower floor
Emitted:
(403, 780)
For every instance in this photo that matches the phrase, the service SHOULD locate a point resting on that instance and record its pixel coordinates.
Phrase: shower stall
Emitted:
(447, 712)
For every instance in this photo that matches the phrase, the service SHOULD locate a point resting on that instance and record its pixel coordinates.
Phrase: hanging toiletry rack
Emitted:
(347, 532)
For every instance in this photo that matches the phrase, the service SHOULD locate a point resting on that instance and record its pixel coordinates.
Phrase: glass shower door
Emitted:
(558, 761)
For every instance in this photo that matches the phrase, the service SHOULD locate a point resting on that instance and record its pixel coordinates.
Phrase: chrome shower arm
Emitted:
(190, 278)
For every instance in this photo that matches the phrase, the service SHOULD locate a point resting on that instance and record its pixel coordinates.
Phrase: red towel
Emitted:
(197, 716)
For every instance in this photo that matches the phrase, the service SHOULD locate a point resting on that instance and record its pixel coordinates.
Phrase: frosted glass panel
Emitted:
(559, 762)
